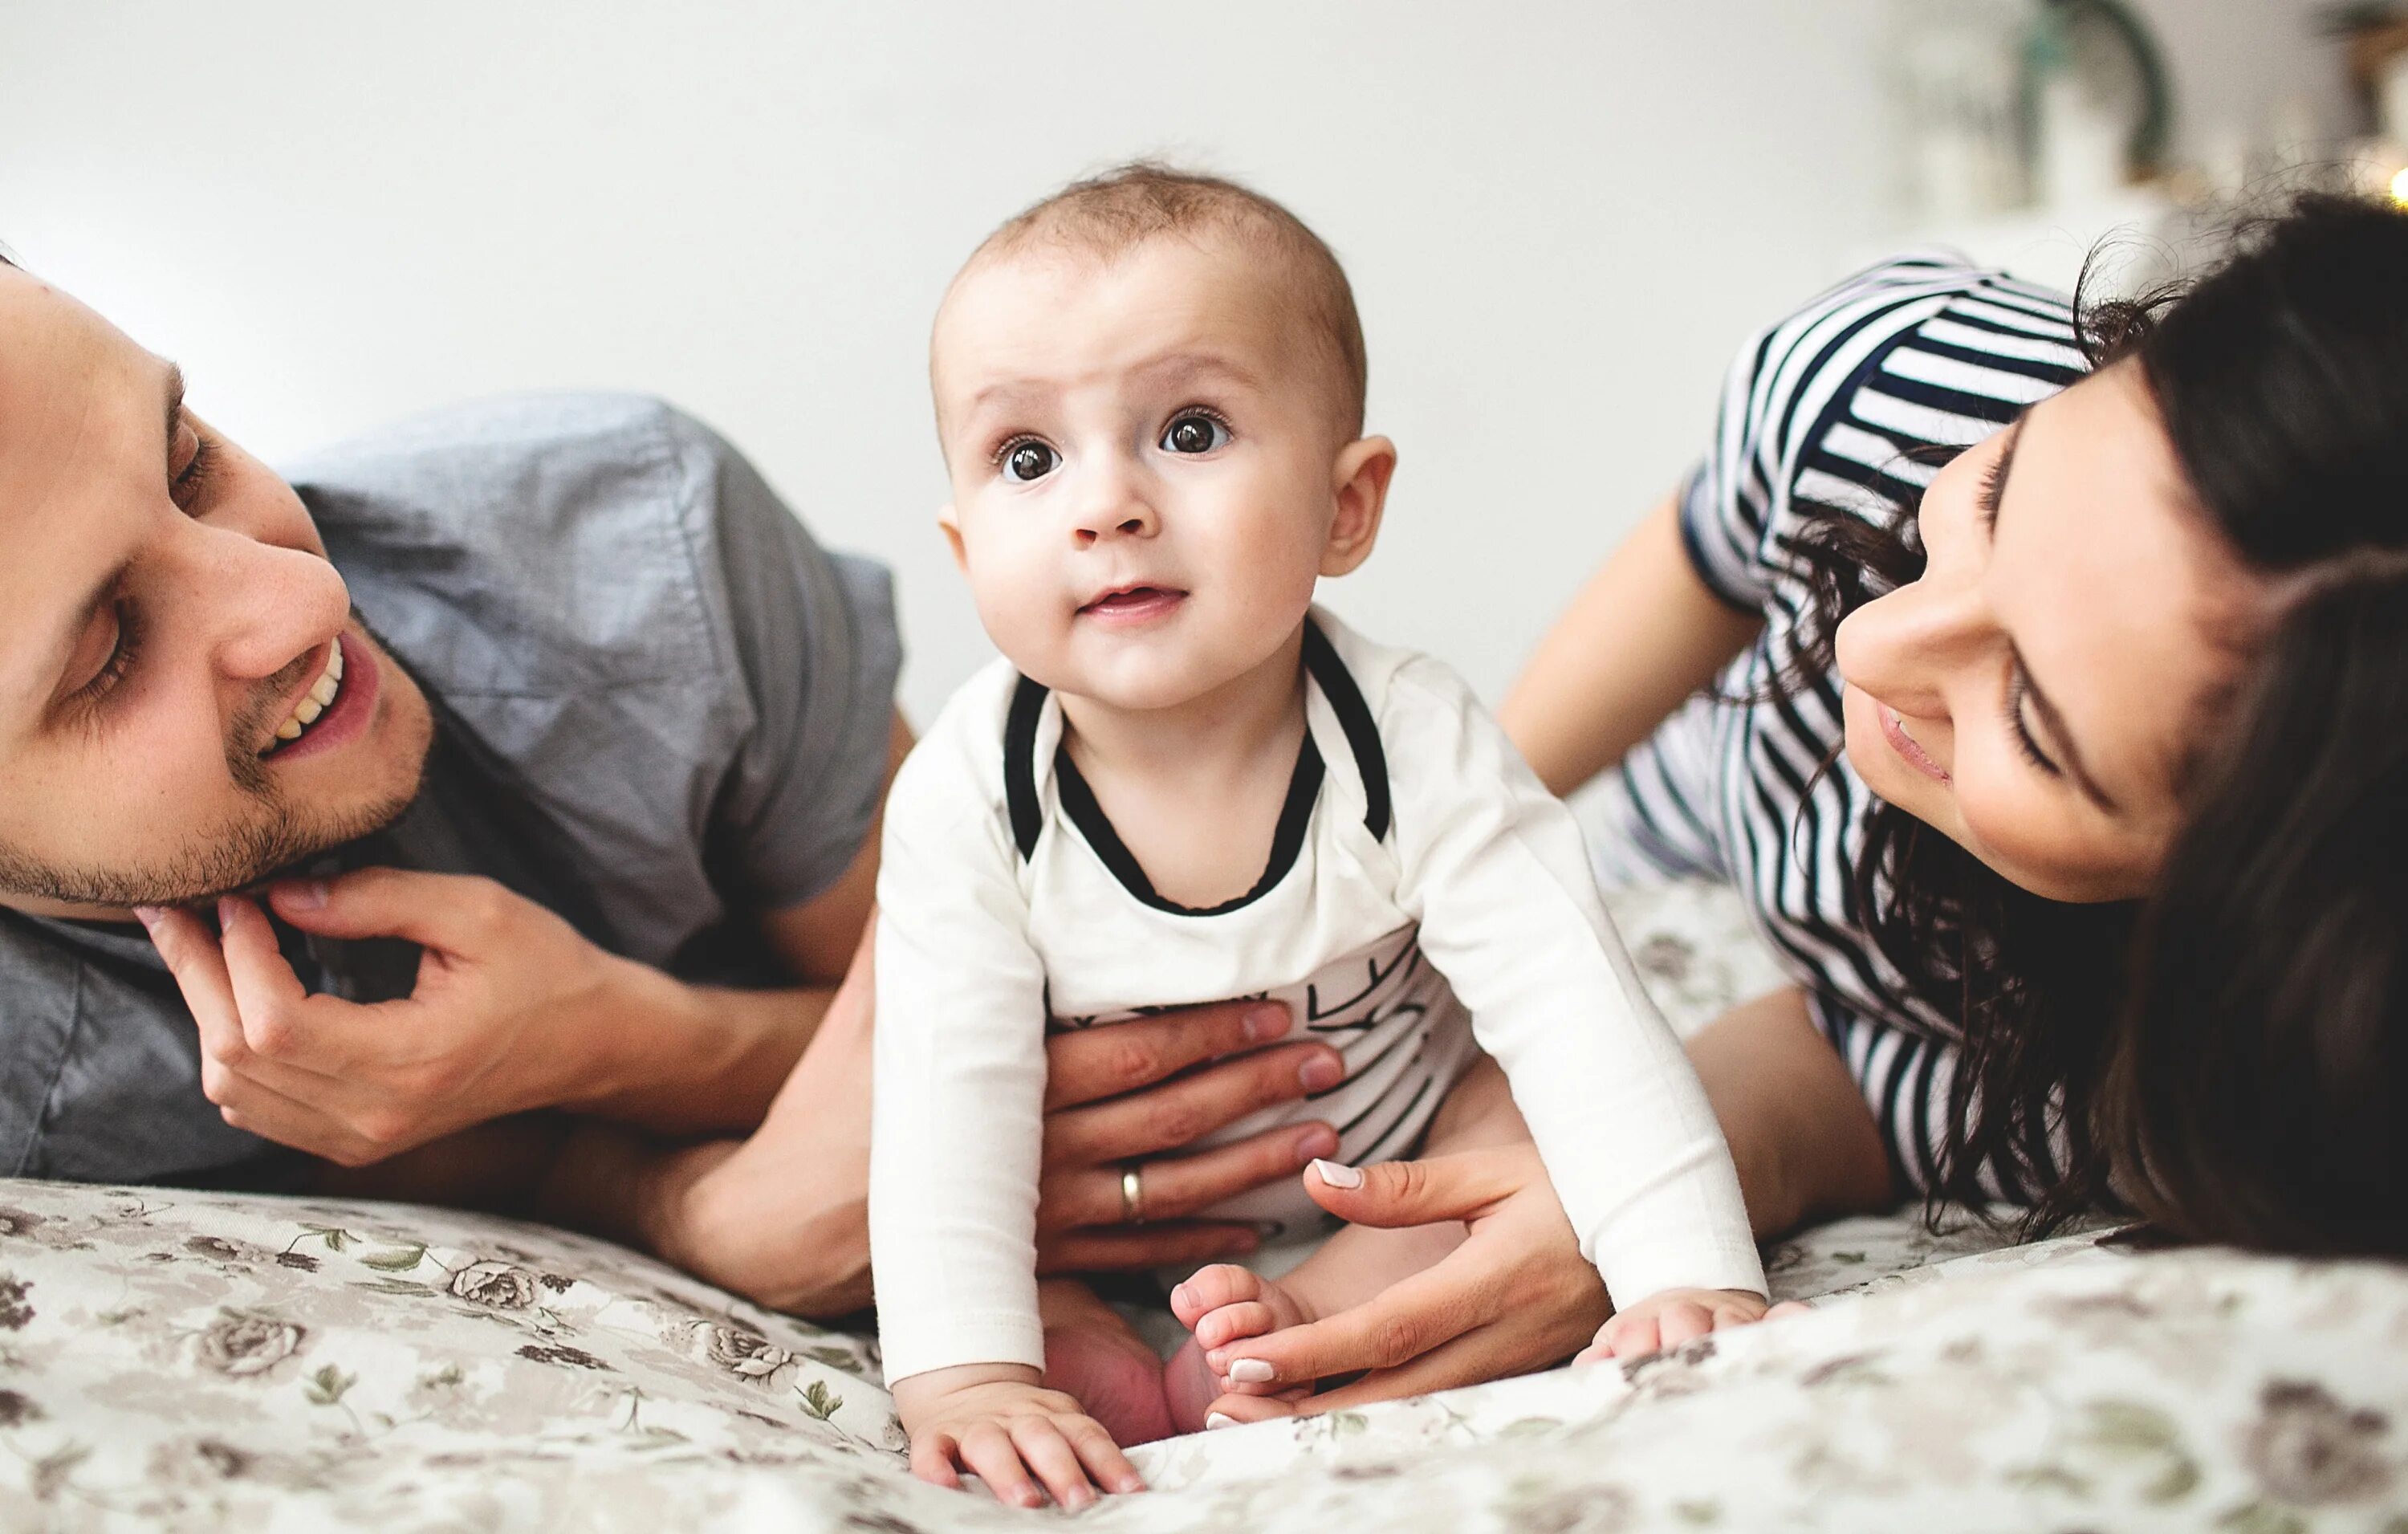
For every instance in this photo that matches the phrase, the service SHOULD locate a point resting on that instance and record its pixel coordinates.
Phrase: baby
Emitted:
(1184, 782)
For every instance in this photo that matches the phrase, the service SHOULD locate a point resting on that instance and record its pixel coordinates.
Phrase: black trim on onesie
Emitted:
(1078, 803)
(1018, 763)
(1354, 718)
(1345, 700)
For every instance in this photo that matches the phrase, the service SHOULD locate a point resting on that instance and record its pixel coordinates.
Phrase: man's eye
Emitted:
(1027, 460)
(1194, 434)
(194, 478)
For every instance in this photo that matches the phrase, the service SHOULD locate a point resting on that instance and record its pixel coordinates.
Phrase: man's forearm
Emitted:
(678, 1059)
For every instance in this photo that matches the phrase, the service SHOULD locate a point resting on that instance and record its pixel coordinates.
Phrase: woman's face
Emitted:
(2037, 693)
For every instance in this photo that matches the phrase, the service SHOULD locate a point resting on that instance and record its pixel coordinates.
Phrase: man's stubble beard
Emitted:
(274, 833)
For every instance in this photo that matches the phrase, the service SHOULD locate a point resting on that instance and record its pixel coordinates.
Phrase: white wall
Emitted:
(1559, 219)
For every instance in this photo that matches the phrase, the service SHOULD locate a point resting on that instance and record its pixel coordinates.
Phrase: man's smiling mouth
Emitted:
(312, 704)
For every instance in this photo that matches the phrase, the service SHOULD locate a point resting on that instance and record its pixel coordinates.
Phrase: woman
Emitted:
(2058, 739)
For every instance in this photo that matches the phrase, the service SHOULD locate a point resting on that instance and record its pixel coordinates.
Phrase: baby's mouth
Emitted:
(1133, 602)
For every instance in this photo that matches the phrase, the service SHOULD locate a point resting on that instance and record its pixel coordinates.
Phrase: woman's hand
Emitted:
(1125, 1097)
(1517, 1295)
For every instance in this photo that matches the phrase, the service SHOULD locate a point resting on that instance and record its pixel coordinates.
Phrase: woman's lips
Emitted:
(1894, 731)
(1132, 606)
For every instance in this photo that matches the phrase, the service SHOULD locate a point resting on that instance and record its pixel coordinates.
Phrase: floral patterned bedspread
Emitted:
(186, 1360)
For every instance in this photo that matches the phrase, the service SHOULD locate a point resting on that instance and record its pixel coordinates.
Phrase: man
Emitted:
(499, 796)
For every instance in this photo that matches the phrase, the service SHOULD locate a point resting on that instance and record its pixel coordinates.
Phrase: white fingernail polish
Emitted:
(1338, 1174)
(1218, 1419)
(1252, 1371)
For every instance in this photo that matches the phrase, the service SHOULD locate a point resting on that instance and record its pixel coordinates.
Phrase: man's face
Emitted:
(169, 629)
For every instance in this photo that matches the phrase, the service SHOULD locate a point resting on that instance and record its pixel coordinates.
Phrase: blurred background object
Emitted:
(1562, 216)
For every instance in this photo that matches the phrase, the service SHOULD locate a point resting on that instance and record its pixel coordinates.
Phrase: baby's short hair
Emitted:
(1110, 214)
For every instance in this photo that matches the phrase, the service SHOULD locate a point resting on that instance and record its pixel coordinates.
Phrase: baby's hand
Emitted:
(996, 1422)
(1668, 1319)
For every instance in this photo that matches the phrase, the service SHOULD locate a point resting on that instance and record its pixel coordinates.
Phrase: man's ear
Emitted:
(1364, 469)
(952, 527)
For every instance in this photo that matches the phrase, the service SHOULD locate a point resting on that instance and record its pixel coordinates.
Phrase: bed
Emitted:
(203, 1360)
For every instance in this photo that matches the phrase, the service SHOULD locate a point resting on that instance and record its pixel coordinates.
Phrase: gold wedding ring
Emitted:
(1133, 1194)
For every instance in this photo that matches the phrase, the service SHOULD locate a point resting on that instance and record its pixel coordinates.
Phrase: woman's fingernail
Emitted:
(1321, 1072)
(1265, 1022)
(1338, 1174)
(1218, 1419)
(1252, 1371)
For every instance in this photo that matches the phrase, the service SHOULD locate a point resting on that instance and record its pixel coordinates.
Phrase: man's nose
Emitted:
(1904, 648)
(257, 606)
(1114, 505)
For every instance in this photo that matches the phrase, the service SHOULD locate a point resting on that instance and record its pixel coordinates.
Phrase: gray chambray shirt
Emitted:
(660, 710)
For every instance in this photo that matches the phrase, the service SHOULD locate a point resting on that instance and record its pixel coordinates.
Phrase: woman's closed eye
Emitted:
(2018, 689)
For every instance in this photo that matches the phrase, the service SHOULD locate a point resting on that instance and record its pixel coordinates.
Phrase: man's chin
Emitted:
(231, 861)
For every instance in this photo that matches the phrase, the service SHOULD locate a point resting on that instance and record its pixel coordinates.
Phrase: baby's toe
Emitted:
(1218, 1328)
(1208, 1289)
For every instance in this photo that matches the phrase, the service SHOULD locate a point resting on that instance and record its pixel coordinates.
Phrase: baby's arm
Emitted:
(1494, 869)
(956, 1129)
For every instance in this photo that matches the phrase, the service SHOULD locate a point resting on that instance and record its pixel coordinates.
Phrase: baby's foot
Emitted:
(1091, 1352)
(1223, 1305)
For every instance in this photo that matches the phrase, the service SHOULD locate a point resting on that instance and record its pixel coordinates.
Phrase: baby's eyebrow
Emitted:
(1182, 365)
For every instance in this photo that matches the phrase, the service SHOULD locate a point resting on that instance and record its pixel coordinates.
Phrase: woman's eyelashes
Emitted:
(2022, 731)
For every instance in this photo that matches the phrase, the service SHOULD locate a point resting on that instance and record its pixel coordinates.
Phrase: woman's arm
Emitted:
(1641, 636)
(1517, 1294)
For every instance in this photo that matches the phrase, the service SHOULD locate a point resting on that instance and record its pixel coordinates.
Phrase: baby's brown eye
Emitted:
(1029, 461)
(1194, 434)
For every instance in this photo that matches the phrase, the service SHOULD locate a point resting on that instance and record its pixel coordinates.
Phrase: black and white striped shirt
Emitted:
(1824, 410)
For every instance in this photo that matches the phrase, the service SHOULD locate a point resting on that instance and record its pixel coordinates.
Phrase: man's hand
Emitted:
(508, 1004)
(1130, 1094)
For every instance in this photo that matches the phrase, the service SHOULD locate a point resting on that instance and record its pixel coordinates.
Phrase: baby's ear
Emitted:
(1364, 469)
(952, 527)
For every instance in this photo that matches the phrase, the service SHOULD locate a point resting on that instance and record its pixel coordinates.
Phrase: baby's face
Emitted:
(1146, 468)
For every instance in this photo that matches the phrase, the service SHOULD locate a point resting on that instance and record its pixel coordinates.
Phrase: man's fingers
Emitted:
(275, 1007)
(1174, 1187)
(1091, 1064)
(262, 1111)
(1176, 1114)
(444, 911)
(1129, 1250)
(1418, 1193)
(191, 951)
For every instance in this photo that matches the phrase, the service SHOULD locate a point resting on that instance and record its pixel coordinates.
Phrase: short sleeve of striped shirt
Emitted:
(1795, 426)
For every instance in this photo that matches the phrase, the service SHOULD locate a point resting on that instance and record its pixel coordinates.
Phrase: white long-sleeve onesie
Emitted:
(1419, 870)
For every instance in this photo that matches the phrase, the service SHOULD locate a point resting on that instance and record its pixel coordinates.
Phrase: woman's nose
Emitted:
(257, 606)
(1904, 648)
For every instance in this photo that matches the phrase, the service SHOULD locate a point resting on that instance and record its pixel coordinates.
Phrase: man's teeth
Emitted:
(318, 699)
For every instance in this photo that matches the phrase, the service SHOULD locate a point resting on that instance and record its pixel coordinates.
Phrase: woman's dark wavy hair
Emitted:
(2231, 1056)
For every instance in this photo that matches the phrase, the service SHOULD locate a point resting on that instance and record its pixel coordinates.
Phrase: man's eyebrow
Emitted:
(2054, 723)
